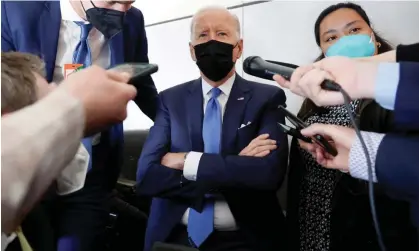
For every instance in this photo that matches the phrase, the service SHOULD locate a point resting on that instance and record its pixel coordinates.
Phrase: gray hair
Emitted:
(215, 7)
(18, 80)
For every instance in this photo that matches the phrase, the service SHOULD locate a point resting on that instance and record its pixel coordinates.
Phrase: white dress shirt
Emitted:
(72, 178)
(69, 38)
(223, 218)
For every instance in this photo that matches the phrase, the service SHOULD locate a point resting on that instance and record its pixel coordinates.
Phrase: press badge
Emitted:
(71, 68)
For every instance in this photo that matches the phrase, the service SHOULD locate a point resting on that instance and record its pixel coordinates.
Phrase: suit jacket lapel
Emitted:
(116, 45)
(233, 116)
(49, 31)
(195, 114)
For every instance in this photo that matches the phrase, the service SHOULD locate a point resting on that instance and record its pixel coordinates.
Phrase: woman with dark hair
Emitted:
(328, 209)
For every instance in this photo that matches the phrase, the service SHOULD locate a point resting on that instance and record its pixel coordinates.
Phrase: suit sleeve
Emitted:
(146, 99)
(264, 173)
(406, 109)
(407, 53)
(397, 170)
(154, 179)
(6, 34)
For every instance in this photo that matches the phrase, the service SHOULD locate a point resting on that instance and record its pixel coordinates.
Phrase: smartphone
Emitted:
(137, 70)
(317, 139)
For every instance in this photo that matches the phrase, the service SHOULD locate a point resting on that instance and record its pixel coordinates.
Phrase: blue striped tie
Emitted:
(82, 55)
(201, 225)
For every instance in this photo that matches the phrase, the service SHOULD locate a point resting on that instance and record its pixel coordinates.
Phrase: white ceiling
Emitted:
(155, 11)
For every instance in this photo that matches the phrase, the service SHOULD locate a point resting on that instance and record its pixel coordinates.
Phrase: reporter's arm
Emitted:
(397, 165)
(394, 161)
(406, 105)
(402, 53)
(407, 53)
(387, 82)
(358, 167)
(38, 142)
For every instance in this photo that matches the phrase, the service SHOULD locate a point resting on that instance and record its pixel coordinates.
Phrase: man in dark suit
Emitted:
(67, 34)
(212, 188)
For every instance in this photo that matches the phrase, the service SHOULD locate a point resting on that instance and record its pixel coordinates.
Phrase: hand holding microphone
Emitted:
(331, 81)
(357, 78)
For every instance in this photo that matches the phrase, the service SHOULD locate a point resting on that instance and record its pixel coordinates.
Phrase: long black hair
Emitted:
(385, 46)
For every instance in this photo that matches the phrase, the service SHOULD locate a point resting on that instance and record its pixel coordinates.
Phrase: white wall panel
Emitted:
(278, 30)
(161, 10)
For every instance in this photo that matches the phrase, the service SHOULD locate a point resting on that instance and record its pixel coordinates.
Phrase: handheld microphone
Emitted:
(266, 69)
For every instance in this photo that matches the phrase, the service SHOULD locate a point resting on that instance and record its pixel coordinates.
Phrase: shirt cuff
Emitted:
(358, 166)
(387, 81)
(190, 168)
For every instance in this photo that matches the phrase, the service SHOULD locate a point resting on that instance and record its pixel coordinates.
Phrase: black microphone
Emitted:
(266, 69)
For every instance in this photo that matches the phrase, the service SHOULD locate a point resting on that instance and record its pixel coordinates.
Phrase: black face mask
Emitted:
(214, 59)
(109, 22)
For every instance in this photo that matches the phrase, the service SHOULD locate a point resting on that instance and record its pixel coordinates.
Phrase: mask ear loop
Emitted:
(374, 40)
(82, 5)
(93, 3)
(235, 48)
(371, 37)
(84, 9)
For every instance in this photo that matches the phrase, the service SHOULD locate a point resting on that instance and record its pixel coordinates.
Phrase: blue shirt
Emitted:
(387, 82)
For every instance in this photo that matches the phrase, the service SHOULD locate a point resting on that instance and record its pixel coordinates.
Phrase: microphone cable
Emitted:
(266, 69)
(329, 85)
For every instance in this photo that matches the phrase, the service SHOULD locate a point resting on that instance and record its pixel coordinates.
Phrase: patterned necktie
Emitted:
(201, 225)
(82, 55)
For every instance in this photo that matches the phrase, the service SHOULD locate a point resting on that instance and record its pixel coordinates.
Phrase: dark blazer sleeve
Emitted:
(6, 36)
(407, 53)
(397, 166)
(146, 98)
(154, 179)
(406, 107)
(264, 173)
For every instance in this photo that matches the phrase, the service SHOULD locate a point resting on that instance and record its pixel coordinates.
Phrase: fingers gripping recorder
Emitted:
(258, 67)
(136, 70)
(299, 125)
(266, 69)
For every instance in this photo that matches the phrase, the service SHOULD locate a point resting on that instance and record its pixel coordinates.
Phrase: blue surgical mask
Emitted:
(353, 46)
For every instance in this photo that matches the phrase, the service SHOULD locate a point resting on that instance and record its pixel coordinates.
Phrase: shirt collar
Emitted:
(225, 88)
(68, 13)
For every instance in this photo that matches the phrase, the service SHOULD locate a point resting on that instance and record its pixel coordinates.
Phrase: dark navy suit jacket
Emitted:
(403, 151)
(33, 26)
(248, 184)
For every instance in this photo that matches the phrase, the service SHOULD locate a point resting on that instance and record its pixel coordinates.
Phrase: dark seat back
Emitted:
(129, 212)
(133, 145)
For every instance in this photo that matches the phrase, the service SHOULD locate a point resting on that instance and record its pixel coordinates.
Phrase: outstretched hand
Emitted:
(341, 137)
(356, 77)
